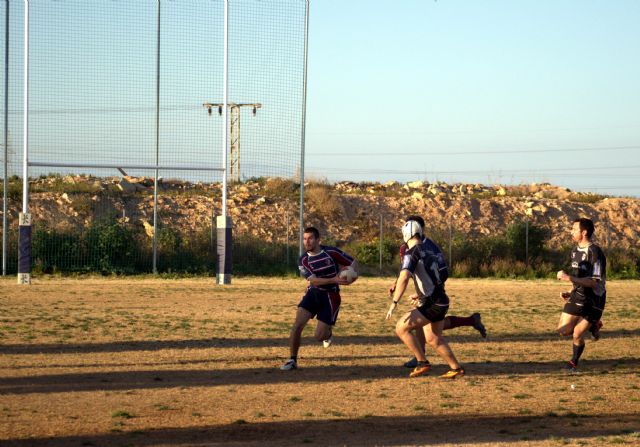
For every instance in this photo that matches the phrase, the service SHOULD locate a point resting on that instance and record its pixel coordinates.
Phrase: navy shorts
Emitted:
(322, 304)
(432, 311)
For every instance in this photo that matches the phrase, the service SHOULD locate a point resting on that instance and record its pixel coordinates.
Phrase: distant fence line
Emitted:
(114, 242)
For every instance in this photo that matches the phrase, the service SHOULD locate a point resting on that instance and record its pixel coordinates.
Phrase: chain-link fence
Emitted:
(125, 126)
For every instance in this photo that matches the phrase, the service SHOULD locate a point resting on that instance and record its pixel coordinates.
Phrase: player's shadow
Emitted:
(456, 335)
(331, 371)
(364, 430)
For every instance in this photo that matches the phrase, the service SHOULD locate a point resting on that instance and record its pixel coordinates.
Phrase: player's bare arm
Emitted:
(315, 281)
(401, 286)
(584, 282)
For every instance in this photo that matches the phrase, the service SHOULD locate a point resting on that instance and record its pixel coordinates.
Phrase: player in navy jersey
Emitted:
(430, 300)
(586, 300)
(320, 265)
(450, 322)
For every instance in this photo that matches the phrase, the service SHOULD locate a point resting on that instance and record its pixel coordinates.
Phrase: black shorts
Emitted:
(596, 309)
(576, 309)
(322, 304)
(435, 312)
(589, 310)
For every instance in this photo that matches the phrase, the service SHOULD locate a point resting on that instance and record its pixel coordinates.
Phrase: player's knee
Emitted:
(297, 328)
(321, 334)
(434, 341)
(401, 328)
(565, 331)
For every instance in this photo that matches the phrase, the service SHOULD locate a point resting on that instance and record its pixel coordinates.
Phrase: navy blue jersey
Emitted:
(589, 262)
(325, 264)
(432, 247)
(423, 265)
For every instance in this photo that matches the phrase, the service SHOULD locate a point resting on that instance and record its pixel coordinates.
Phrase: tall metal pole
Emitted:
(24, 241)
(25, 115)
(224, 228)
(304, 123)
(225, 101)
(155, 178)
(5, 181)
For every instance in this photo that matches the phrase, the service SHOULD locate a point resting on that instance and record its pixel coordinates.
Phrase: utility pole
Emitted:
(234, 133)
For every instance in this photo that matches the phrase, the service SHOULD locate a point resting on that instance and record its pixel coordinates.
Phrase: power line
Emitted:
(538, 171)
(486, 152)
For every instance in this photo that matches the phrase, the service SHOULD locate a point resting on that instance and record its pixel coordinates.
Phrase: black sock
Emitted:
(577, 352)
(421, 363)
(294, 358)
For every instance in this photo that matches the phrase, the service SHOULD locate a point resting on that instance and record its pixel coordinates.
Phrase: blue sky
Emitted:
(489, 92)
(495, 91)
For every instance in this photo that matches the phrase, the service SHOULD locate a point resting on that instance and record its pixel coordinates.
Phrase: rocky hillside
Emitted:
(345, 211)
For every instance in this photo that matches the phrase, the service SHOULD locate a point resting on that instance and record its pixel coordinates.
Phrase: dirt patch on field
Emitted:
(111, 362)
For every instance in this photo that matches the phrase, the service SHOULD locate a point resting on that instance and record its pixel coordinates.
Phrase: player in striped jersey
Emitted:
(320, 266)
(586, 300)
(430, 300)
(451, 321)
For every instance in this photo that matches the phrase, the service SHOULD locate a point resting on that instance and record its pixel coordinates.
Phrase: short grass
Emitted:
(114, 362)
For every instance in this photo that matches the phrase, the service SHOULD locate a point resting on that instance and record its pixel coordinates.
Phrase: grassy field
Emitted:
(147, 362)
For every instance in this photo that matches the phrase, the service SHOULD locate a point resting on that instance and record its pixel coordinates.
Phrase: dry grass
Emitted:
(109, 362)
(323, 199)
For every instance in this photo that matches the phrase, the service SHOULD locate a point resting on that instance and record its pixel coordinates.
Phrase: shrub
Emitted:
(622, 264)
(322, 197)
(368, 253)
(54, 251)
(516, 237)
(111, 248)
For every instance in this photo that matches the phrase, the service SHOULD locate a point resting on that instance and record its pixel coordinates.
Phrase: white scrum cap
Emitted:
(410, 229)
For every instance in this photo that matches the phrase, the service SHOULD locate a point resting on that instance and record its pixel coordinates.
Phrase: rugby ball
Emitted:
(349, 274)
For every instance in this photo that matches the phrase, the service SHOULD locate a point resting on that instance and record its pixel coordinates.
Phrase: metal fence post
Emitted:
(526, 242)
(380, 250)
(288, 260)
(450, 245)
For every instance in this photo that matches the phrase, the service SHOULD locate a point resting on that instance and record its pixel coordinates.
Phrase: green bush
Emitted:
(54, 251)
(111, 248)
(368, 253)
(623, 264)
(516, 237)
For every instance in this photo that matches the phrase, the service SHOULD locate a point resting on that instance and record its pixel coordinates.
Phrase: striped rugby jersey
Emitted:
(325, 264)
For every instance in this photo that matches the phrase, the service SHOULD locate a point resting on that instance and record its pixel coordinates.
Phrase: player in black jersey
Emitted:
(430, 300)
(451, 321)
(586, 300)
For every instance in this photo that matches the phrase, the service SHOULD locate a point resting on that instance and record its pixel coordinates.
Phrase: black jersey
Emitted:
(589, 262)
(423, 265)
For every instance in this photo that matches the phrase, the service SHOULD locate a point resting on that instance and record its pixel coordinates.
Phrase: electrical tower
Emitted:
(234, 133)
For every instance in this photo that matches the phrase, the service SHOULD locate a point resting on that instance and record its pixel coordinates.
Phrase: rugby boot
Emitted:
(420, 370)
(571, 367)
(289, 365)
(453, 373)
(411, 363)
